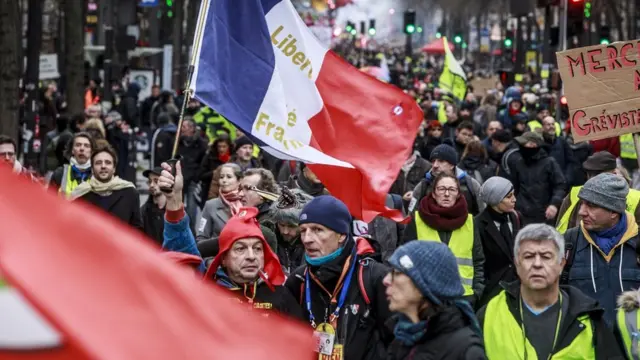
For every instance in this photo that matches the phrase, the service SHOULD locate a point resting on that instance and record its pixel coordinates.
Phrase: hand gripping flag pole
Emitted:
(187, 93)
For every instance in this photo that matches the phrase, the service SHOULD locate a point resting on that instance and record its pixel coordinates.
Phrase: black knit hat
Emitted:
(241, 141)
(446, 153)
(502, 136)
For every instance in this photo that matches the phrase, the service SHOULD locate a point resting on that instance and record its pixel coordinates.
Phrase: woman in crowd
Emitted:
(498, 225)
(443, 216)
(475, 161)
(217, 211)
(219, 153)
(432, 321)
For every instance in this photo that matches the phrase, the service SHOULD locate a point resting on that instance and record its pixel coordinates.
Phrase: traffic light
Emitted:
(349, 27)
(409, 22)
(575, 17)
(439, 32)
(169, 8)
(363, 27)
(419, 29)
(507, 78)
(587, 9)
(508, 39)
(457, 38)
(372, 27)
(605, 35)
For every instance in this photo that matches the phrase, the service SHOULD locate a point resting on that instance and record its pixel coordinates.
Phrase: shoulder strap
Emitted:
(504, 163)
(571, 241)
(474, 203)
(365, 263)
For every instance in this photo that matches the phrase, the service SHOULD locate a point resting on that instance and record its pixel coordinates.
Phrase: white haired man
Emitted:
(535, 317)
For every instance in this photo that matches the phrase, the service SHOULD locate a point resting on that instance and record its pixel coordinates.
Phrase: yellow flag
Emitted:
(453, 78)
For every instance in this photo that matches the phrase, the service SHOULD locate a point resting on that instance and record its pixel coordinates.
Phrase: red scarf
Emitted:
(224, 157)
(232, 200)
(440, 218)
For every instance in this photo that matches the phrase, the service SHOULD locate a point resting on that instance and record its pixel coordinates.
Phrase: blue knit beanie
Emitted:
(328, 211)
(432, 267)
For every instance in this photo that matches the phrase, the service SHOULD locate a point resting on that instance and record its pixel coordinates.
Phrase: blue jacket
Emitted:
(597, 274)
(179, 238)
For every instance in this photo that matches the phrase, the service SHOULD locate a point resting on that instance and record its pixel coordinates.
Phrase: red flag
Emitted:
(369, 124)
(112, 295)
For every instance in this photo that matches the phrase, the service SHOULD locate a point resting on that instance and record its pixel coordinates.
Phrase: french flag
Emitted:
(256, 63)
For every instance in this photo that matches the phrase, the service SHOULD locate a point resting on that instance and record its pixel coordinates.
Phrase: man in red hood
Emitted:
(245, 264)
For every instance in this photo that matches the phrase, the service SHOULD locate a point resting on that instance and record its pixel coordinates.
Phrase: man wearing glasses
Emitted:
(8, 150)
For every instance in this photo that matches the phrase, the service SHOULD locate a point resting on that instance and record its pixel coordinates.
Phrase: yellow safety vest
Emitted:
(627, 149)
(503, 338)
(628, 327)
(442, 113)
(632, 203)
(68, 183)
(215, 124)
(461, 244)
(535, 124)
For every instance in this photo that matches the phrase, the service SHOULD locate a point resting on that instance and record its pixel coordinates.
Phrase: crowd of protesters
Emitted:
(514, 245)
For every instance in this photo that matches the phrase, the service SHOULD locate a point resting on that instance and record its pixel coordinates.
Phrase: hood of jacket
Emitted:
(629, 300)
(460, 174)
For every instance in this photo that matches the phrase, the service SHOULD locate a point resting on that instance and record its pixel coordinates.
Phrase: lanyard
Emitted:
(555, 337)
(343, 292)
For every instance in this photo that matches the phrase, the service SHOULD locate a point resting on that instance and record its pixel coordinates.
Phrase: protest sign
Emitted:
(601, 85)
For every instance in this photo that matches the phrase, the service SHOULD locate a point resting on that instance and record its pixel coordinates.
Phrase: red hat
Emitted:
(241, 226)
(433, 124)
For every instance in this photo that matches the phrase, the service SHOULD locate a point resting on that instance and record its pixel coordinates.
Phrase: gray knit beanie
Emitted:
(606, 190)
(290, 214)
(495, 189)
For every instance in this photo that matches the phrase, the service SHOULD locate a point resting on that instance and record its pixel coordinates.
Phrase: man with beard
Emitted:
(67, 177)
(107, 191)
(286, 217)
(558, 148)
(153, 210)
(244, 154)
(307, 181)
(537, 179)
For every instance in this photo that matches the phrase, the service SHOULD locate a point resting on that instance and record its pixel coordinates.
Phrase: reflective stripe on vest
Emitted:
(627, 149)
(461, 244)
(534, 125)
(68, 183)
(628, 328)
(632, 204)
(503, 338)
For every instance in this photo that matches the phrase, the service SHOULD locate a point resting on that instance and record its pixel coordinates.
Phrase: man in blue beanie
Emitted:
(444, 159)
(432, 321)
(340, 285)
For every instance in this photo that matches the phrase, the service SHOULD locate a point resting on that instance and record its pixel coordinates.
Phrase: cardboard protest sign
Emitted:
(602, 86)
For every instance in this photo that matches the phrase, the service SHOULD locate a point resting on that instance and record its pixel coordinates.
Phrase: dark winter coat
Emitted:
(290, 253)
(152, 221)
(498, 251)
(449, 337)
(605, 344)
(537, 185)
(162, 144)
(408, 181)
(192, 149)
(479, 168)
(361, 326)
(387, 232)
(563, 155)
(428, 144)
(123, 204)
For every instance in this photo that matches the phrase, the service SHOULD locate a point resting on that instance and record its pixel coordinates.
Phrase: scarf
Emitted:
(94, 185)
(409, 333)
(607, 239)
(80, 172)
(224, 157)
(440, 218)
(323, 259)
(232, 200)
(78, 166)
(503, 220)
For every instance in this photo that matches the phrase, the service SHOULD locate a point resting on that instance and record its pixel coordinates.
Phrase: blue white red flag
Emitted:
(258, 65)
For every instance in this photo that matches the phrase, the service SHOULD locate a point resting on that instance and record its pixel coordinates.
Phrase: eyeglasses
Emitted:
(442, 189)
(248, 187)
(394, 273)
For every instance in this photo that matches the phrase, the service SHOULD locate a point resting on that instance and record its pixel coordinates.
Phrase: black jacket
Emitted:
(290, 254)
(478, 168)
(428, 144)
(153, 221)
(408, 182)
(449, 337)
(537, 185)
(499, 250)
(361, 326)
(123, 204)
(192, 149)
(560, 150)
(606, 347)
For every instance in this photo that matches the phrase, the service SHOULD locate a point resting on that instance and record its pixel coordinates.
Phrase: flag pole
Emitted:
(187, 86)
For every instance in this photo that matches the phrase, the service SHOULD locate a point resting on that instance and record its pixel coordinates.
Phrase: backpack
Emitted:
(504, 162)
(570, 244)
